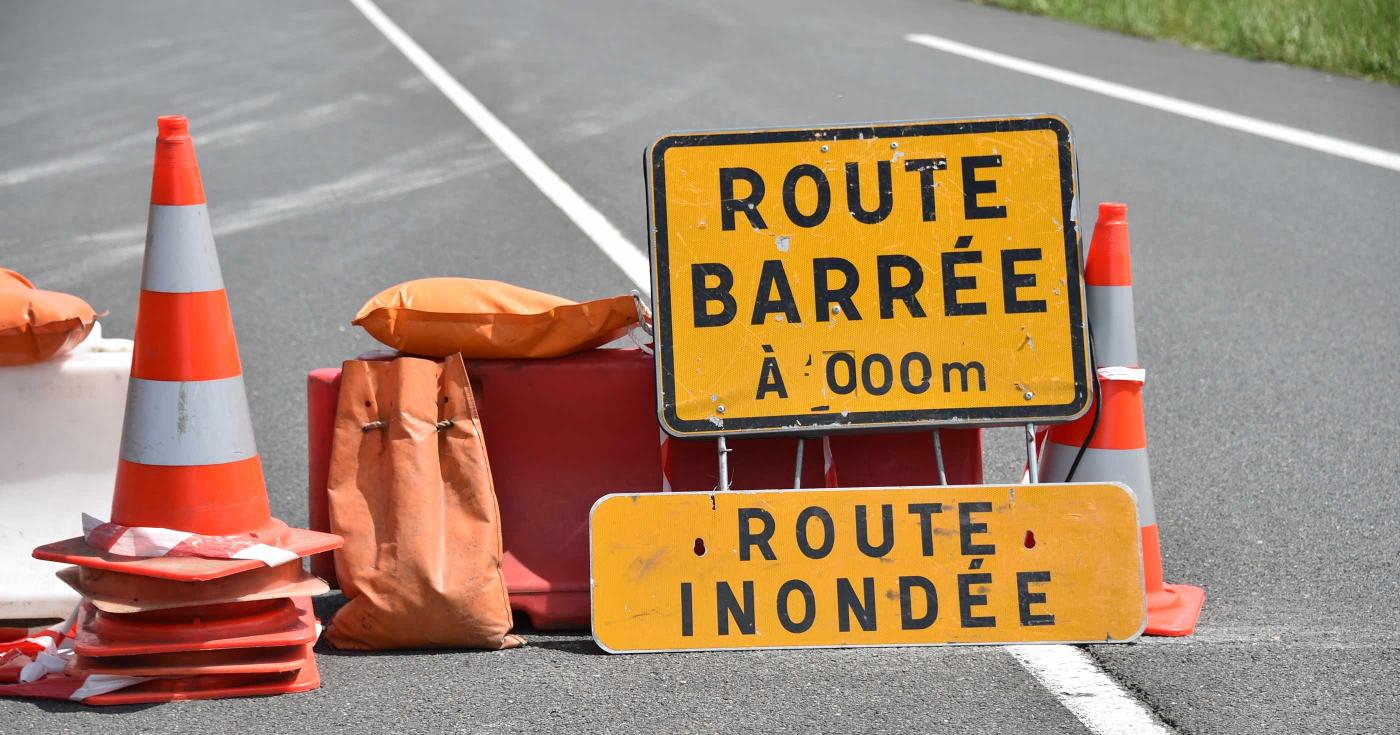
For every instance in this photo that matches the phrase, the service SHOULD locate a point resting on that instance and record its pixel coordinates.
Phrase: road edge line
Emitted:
(1087, 691)
(633, 262)
(1263, 128)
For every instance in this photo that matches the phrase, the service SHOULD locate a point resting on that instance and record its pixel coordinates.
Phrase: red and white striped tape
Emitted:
(72, 688)
(143, 541)
(37, 652)
(30, 645)
(32, 667)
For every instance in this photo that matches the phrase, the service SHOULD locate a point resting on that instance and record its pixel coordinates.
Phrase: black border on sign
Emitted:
(815, 423)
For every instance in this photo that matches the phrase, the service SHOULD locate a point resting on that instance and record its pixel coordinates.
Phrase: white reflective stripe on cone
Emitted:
(1115, 331)
(180, 256)
(183, 423)
(1128, 466)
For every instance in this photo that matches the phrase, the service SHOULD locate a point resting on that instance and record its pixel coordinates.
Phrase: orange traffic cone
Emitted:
(188, 460)
(193, 590)
(1117, 444)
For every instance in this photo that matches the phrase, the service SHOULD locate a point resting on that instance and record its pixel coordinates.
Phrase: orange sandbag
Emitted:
(11, 279)
(410, 490)
(38, 325)
(490, 319)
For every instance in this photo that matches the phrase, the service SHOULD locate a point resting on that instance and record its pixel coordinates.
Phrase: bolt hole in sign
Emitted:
(861, 567)
(811, 280)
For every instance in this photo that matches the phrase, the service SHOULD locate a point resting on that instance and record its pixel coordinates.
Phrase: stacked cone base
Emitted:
(274, 660)
(242, 635)
(216, 686)
(270, 623)
(129, 593)
(240, 649)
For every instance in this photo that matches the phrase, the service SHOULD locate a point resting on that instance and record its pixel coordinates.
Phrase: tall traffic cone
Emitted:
(1117, 449)
(193, 590)
(188, 460)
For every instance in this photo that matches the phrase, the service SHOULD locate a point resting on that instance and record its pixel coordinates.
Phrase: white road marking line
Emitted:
(1068, 672)
(1085, 690)
(1263, 128)
(604, 234)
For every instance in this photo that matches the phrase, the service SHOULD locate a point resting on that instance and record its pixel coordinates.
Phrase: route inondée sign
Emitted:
(886, 566)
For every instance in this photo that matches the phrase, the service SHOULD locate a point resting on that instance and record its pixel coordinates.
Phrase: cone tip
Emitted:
(175, 179)
(1113, 209)
(1109, 262)
(172, 126)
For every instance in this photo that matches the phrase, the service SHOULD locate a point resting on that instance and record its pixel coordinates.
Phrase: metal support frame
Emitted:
(938, 458)
(723, 447)
(1032, 461)
(797, 471)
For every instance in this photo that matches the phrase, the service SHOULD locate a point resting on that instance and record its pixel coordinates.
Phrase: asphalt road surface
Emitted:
(1266, 300)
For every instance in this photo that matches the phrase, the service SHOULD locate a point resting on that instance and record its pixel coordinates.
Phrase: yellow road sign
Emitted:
(888, 566)
(885, 275)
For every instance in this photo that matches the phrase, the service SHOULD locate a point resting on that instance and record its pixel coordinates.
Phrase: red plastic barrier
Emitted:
(564, 432)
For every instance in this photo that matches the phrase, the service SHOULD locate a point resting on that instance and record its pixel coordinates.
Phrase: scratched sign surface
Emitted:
(888, 566)
(885, 275)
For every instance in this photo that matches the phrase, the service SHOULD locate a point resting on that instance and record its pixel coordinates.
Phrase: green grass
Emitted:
(1356, 37)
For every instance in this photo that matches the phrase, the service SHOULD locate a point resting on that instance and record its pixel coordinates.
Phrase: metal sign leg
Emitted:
(938, 458)
(723, 464)
(797, 471)
(1032, 462)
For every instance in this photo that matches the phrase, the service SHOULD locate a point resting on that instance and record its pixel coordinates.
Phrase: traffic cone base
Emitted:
(216, 686)
(1172, 609)
(76, 551)
(286, 622)
(275, 660)
(114, 592)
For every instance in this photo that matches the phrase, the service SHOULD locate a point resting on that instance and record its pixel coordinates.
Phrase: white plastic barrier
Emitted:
(60, 430)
